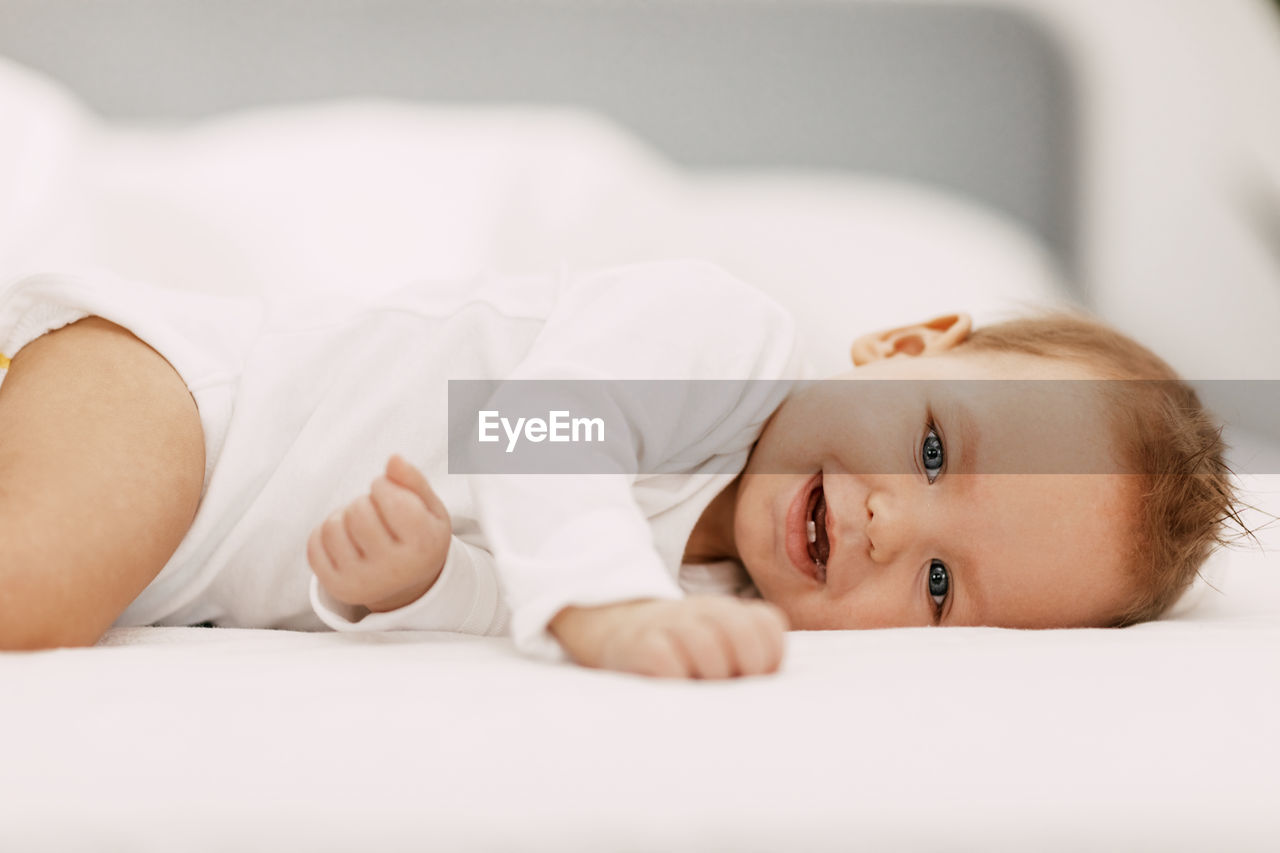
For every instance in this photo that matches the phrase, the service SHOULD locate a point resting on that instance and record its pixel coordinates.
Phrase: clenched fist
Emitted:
(697, 637)
(387, 548)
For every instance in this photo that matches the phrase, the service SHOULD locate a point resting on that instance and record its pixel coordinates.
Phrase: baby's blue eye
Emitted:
(939, 583)
(931, 454)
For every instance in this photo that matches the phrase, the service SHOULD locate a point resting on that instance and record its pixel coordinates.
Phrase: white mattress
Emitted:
(1154, 737)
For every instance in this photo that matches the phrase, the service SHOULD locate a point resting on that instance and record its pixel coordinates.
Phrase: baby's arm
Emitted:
(387, 548)
(580, 551)
(698, 637)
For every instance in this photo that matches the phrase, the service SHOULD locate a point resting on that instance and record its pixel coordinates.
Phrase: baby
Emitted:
(976, 526)
(931, 499)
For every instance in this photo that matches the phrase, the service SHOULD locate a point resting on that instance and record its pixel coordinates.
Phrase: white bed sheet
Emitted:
(1155, 737)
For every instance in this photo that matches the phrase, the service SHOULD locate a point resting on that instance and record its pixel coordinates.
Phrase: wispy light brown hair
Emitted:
(1187, 501)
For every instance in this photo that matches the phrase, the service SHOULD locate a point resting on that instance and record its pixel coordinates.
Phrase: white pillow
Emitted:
(846, 254)
(341, 196)
(365, 195)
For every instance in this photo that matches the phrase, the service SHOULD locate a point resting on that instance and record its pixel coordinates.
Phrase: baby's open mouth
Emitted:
(819, 544)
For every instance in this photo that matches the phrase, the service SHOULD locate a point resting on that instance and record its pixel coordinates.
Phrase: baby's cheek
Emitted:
(753, 533)
(857, 609)
(806, 609)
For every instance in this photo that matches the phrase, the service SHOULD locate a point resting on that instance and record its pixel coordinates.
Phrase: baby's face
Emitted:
(911, 537)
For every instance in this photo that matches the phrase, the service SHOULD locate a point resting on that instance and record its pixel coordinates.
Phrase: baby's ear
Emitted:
(928, 338)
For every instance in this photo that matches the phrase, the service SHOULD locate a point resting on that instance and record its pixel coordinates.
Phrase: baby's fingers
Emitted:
(366, 529)
(760, 639)
(337, 542)
(406, 517)
(399, 471)
(707, 649)
(748, 640)
(658, 654)
(319, 560)
(332, 558)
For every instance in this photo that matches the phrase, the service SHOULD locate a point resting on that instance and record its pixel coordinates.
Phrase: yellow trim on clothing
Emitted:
(4, 361)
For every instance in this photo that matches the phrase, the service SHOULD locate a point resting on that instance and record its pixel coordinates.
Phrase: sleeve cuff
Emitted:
(595, 557)
(464, 599)
(529, 629)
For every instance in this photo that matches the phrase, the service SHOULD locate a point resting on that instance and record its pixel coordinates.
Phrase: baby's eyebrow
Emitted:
(967, 431)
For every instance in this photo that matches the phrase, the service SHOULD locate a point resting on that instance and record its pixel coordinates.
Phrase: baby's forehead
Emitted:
(1031, 427)
(992, 425)
(1049, 551)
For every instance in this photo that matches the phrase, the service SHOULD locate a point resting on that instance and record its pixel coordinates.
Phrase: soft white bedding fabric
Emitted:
(1155, 737)
(368, 195)
(1159, 737)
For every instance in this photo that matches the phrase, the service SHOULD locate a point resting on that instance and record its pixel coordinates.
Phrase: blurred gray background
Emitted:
(968, 97)
(1137, 140)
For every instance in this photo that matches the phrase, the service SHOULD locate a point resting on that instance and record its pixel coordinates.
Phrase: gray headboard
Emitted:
(973, 98)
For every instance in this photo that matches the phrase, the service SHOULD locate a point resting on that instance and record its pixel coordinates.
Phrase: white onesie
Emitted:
(302, 401)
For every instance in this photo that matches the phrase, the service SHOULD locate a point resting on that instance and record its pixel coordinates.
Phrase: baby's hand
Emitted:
(698, 637)
(386, 549)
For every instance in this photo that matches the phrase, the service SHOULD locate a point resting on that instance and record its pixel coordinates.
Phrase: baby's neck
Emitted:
(712, 537)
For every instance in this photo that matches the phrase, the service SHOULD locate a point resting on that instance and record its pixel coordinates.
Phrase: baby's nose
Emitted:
(895, 523)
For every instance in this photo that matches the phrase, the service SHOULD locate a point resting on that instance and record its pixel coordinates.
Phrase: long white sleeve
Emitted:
(465, 598)
(564, 540)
